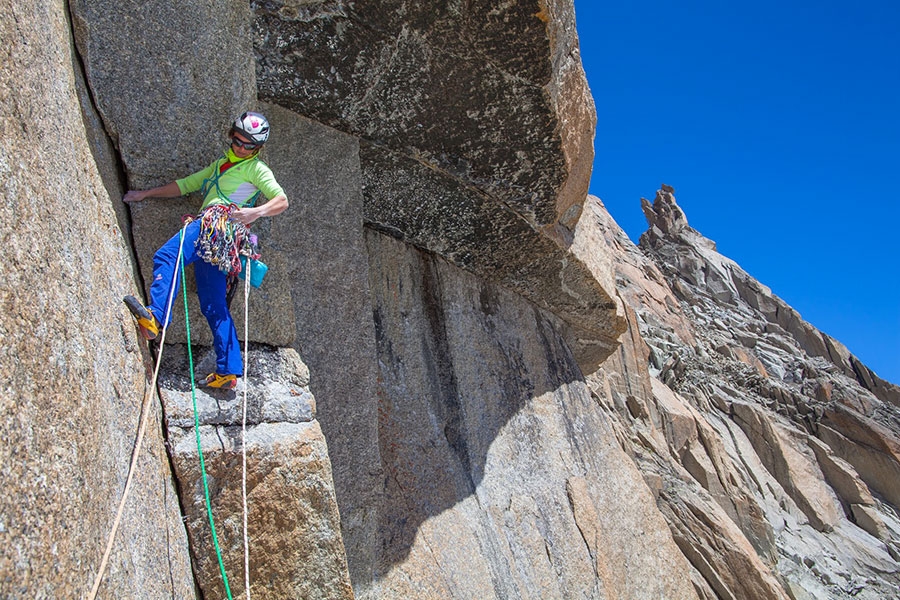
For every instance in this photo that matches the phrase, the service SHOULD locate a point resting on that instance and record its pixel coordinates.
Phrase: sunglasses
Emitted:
(244, 145)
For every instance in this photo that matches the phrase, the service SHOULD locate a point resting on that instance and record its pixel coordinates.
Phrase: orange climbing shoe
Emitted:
(222, 382)
(147, 323)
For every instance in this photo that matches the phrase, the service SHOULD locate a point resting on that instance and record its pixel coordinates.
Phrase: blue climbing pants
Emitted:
(211, 290)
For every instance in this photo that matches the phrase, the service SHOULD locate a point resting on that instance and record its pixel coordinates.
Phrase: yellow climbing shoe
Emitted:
(222, 382)
(147, 323)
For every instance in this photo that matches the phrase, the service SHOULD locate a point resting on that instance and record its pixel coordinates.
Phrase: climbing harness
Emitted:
(145, 410)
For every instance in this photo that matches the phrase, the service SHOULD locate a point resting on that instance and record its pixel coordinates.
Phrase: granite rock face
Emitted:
(772, 457)
(320, 242)
(504, 477)
(475, 121)
(293, 525)
(71, 366)
(448, 217)
(505, 397)
(472, 140)
(167, 89)
(489, 94)
(167, 78)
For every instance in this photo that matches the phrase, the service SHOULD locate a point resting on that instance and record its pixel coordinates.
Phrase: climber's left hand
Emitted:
(245, 215)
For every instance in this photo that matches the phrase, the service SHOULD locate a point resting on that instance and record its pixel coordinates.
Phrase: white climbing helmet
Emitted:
(252, 126)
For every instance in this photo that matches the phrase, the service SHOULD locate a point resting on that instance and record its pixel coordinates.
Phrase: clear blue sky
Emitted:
(778, 125)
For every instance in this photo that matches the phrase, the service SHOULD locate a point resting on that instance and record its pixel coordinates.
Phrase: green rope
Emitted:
(212, 525)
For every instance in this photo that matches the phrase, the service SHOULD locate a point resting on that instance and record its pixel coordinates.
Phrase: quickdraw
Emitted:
(223, 240)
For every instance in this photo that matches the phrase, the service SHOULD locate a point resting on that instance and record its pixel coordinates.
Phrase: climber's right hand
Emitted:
(134, 196)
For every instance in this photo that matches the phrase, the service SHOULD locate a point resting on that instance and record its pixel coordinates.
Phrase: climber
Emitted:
(215, 241)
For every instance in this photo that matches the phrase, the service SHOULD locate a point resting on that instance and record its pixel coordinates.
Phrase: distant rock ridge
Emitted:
(743, 407)
(689, 257)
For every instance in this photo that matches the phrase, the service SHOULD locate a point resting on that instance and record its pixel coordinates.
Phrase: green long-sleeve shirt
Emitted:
(239, 184)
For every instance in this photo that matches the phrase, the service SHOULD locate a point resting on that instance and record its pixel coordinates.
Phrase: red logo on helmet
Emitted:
(254, 123)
